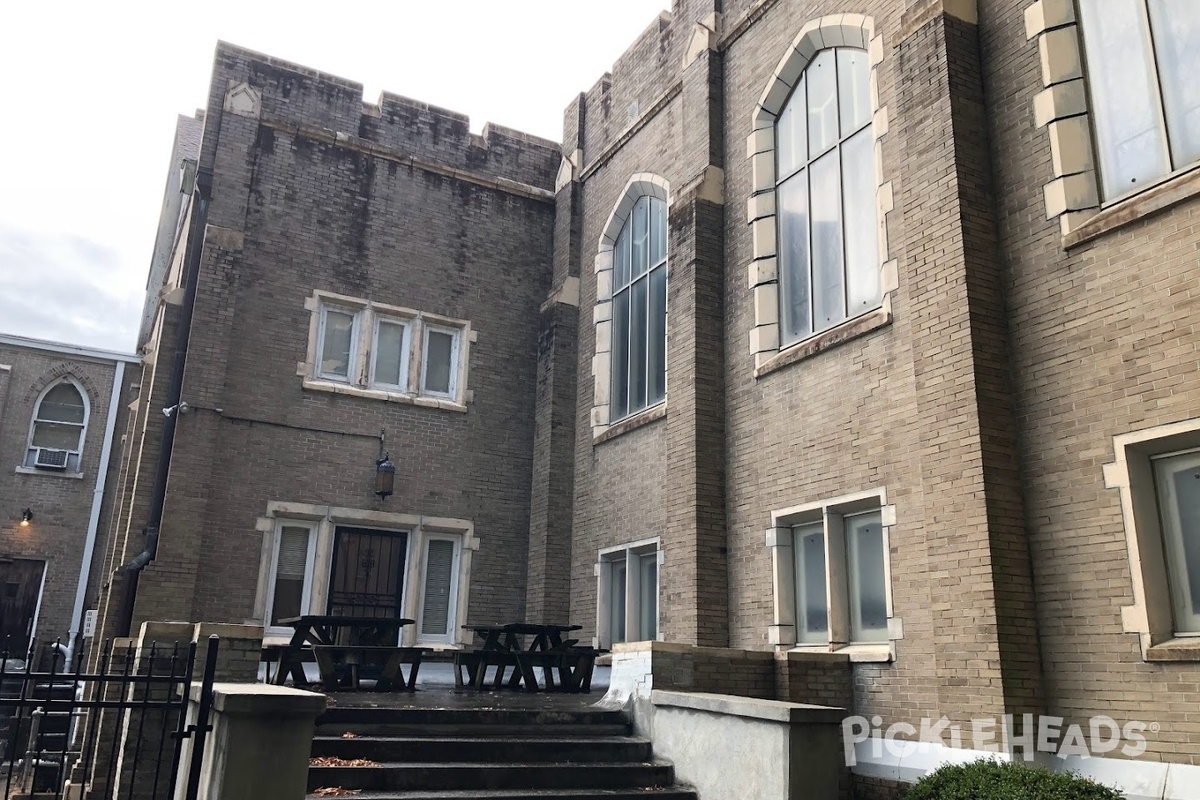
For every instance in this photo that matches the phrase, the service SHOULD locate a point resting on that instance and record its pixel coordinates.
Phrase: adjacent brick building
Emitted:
(829, 330)
(60, 405)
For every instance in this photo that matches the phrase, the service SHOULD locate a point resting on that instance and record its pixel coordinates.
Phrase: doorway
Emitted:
(367, 573)
(20, 590)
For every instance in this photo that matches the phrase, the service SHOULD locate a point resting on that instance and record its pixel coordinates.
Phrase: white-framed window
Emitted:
(829, 264)
(639, 310)
(1142, 58)
(627, 610)
(58, 428)
(832, 572)
(337, 343)
(439, 361)
(1157, 471)
(1177, 484)
(439, 589)
(388, 352)
(289, 589)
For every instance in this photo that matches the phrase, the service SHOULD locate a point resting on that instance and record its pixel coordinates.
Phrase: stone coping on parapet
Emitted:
(748, 707)
(261, 699)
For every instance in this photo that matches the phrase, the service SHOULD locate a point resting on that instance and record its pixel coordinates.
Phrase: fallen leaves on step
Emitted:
(334, 761)
(334, 791)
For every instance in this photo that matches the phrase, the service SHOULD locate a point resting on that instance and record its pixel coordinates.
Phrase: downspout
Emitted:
(195, 242)
(89, 546)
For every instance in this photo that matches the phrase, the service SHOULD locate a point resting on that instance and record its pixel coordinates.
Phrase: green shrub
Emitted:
(991, 780)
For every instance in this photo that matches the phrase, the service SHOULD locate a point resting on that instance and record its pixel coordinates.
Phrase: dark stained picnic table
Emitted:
(340, 639)
(503, 647)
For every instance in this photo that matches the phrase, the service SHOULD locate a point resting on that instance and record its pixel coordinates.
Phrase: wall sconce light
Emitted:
(385, 472)
(26, 517)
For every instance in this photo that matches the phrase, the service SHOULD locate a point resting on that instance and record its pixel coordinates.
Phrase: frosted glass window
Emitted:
(337, 344)
(639, 324)
(826, 196)
(1142, 58)
(648, 597)
(632, 585)
(812, 606)
(441, 362)
(865, 568)
(391, 355)
(616, 596)
(1178, 480)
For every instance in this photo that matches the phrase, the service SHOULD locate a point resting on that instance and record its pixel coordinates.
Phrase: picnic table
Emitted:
(343, 644)
(504, 647)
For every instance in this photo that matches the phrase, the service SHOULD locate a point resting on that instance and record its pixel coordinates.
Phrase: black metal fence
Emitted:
(114, 731)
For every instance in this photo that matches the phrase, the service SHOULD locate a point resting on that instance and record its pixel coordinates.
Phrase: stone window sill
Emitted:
(874, 653)
(819, 343)
(1139, 206)
(333, 387)
(49, 473)
(638, 420)
(1182, 649)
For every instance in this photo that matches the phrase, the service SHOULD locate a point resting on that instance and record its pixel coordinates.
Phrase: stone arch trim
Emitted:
(639, 185)
(37, 388)
(838, 30)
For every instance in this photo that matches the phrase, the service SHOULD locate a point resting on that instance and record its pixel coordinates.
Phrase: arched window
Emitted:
(639, 312)
(59, 423)
(826, 196)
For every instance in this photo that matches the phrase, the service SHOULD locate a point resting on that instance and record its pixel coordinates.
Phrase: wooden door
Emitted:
(20, 586)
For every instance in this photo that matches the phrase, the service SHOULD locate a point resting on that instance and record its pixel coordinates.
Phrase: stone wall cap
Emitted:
(262, 699)
(675, 647)
(751, 707)
(227, 630)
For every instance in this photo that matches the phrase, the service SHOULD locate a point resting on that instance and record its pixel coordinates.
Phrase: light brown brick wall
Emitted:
(61, 504)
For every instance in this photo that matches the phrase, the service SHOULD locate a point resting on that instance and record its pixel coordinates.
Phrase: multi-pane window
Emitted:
(639, 321)
(1177, 479)
(1142, 60)
(630, 586)
(57, 432)
(291, 572)
(825, 196)
(397, 350)
(840, 571)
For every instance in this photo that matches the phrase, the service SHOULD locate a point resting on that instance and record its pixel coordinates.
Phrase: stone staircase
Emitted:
(494, 753)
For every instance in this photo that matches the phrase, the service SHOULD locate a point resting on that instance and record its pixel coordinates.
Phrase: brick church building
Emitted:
(839, 353)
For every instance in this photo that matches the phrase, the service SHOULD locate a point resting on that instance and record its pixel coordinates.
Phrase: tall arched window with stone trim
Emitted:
(639, 314)
(630, 317)
(57, 431)
(826, 196)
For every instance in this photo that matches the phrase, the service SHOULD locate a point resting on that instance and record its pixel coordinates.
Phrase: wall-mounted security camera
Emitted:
(182, 408)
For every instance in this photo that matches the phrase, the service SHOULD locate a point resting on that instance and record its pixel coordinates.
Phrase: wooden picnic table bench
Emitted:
(343, 646)
(502, 649)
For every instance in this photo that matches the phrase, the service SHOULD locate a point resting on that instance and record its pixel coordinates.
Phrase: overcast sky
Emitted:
(92, 91)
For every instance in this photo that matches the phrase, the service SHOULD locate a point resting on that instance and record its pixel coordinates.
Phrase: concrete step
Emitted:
(486, 749)
(669, 793)
(442, 776)
(585, 721)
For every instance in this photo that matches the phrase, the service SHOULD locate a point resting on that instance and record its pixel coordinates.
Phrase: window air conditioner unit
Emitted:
(47, 458)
